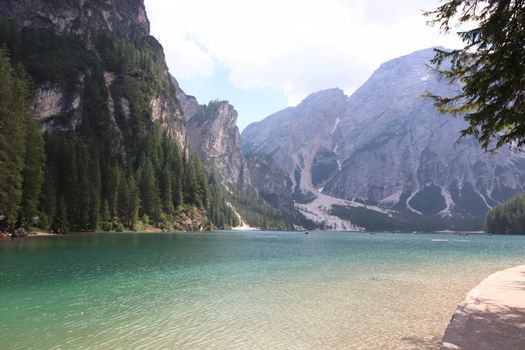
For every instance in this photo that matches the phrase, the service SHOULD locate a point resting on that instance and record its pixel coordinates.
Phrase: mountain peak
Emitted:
(417, 57)
(323, 95)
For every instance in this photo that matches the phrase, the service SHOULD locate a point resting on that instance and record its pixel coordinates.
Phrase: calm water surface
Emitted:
(235, 290)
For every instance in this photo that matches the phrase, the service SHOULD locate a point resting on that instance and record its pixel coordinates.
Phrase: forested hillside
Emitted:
(62, 182)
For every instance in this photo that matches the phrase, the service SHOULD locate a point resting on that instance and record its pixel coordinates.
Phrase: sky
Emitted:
(266, 55)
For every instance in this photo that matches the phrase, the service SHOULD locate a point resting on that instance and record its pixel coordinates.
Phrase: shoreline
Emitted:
(41, 234)
(492, 315)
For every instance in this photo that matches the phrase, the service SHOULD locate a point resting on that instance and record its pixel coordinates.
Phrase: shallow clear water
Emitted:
(240, 290)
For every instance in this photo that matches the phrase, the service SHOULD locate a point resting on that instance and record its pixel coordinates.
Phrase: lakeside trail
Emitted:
(492, 316)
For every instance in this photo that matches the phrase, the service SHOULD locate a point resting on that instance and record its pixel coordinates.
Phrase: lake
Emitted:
(241, 290)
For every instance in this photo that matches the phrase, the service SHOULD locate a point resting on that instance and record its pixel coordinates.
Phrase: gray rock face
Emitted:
(50, 100)
(213, 133)
(294, 136)
(59, 106)
(80, 17)
(189, 104)
(387, 146)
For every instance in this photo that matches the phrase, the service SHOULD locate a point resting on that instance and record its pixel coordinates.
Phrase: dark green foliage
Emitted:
(468, 199)
(490, 68)
(508, 218)
(404, 221)
(33, 173)
(21, 152)
(46, 55)
(73, 175)
(60, 221)
(257, 213)
(221, 213)
(115, 195)
(429, 200)
(128, 202)
(200, 187)
(149, 190)
(140, 67)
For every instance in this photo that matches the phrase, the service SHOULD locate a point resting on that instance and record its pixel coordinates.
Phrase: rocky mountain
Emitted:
(92, 57)
(213, 133)
(384, 157)
(258, 191)
(127, 19)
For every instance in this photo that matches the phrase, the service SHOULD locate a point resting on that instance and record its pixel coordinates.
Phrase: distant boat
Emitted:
(306, 232)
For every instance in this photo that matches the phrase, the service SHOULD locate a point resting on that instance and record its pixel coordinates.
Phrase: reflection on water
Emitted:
(240, 290)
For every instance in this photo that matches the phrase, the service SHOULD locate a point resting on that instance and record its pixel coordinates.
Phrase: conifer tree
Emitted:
(128, 202)
(201, 188)
(14, 114)
(149, 193)
(178, 175)
(33, 174)
(166, 190)
(60, 219)
(95, 190)
(113, 186)
(490, 68)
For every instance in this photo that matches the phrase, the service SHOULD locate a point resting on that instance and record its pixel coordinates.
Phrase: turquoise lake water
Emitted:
(240, 290)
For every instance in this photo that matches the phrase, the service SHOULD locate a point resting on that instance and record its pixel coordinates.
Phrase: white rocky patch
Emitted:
(243, 226)
(337, 121)
(49, 101)
(391, 200)
(124, 102)
(109, 78)
(319, 211)
(484, 199)
(408, 205)
(447, 212)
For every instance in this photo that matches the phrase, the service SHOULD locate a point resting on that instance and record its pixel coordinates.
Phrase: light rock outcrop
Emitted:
(51, 100)
(213, 133)
(189, 104)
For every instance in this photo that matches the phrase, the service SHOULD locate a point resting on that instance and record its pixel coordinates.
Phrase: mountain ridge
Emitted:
(387, 147)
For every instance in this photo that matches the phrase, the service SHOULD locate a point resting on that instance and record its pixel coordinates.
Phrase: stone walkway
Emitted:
(492, 316)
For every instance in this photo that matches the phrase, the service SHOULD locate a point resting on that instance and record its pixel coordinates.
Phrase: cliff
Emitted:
(96, 70)
(213, 133)
(127, 19)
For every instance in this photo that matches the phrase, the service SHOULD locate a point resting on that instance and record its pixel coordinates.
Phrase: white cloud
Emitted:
(299, 46)
(187, 60)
